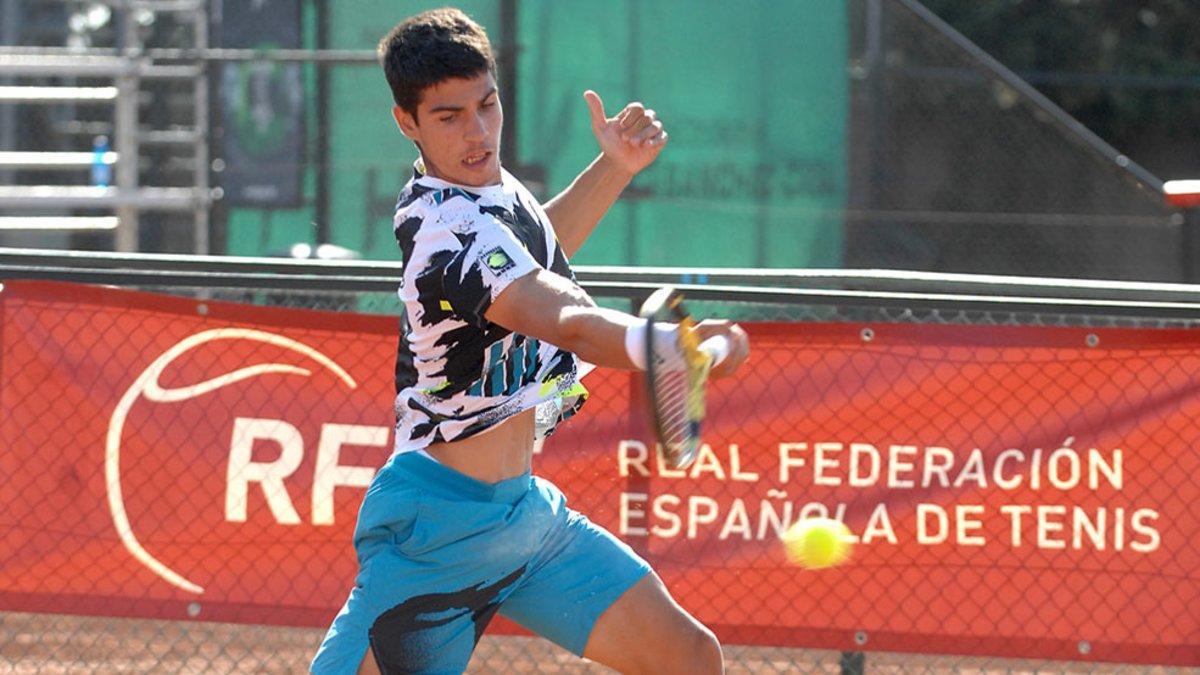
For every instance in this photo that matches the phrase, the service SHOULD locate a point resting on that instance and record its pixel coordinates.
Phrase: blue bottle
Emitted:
(101, 170)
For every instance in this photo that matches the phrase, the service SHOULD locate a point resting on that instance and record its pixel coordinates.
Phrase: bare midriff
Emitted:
(504, 451)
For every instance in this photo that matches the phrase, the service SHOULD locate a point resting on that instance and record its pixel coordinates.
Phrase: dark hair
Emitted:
(432, 47)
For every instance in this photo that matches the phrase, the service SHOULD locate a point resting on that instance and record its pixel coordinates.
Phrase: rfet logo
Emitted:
(211, 448)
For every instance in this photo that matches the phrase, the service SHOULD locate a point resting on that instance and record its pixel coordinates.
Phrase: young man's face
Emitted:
(457, 128)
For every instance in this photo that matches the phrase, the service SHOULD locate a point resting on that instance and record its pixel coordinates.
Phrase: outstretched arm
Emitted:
(553, 309)
(629, 142)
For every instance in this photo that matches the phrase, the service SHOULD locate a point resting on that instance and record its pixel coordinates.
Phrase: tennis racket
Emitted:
(675, 387)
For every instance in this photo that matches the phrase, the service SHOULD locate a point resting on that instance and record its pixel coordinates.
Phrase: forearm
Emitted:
(577, 209)
(552, 309)
(597, 335)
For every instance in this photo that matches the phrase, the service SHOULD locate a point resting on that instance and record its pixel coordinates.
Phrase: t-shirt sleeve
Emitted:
(462, 262)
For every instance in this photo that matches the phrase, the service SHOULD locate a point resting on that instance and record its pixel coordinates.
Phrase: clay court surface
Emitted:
(49, 644)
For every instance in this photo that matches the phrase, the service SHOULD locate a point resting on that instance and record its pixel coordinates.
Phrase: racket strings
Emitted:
(678, 424)
(675, 377)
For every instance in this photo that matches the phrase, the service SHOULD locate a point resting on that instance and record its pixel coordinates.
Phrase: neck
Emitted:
(430, 170)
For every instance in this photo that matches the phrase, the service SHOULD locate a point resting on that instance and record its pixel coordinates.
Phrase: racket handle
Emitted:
(716, 347)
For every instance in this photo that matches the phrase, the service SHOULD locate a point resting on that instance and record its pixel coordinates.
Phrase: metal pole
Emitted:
(762, 210)
(1191, 245)
(508, 82)
(200, 107)
(322, 196)
(852, 663)
(875, 103)
(1185, 196)
(126, 141)
(634, 69)
(10, 28)
(218, 214)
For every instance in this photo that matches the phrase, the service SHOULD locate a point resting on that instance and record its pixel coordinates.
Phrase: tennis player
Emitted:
(454, 528)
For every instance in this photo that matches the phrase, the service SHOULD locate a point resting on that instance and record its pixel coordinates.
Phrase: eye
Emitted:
(490, 104)
(447, 118)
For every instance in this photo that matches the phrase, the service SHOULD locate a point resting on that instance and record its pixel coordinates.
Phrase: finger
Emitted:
(712, 327)
(595, 108)
(739, 349)
(726, 367)
(743, 345)
(660, 139)
(717, 348)
(631, 114)
(646, 134)
(638, 125)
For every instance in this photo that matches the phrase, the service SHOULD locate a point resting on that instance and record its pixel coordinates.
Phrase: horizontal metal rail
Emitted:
(57, 94)
(905, 300)
(168, 136)
(896, 281)
(78, 65)
(211, 55)
(901, 281)
(201, 263)
(158, 5)
(196, 279)
(863, 288)
(151, 5)
(1184, 194)
(53, 160)
(628, 290)
(59, 222)
(70, 196)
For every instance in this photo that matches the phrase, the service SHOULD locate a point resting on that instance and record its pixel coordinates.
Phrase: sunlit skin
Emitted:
(457, 128)
(459, 120)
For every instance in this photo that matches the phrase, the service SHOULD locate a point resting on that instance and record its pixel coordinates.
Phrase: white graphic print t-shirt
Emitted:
(457, 374)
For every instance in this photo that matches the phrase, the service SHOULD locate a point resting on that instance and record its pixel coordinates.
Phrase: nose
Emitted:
(476, 129)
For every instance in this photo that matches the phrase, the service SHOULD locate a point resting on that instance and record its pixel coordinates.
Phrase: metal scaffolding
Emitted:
(128, 68)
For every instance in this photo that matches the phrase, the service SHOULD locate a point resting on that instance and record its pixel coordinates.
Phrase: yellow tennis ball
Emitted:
(816, 543)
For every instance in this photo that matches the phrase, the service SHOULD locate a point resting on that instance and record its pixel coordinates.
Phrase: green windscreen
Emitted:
(753, 94)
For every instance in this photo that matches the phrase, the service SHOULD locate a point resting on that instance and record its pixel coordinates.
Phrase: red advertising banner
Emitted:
(1015, 491)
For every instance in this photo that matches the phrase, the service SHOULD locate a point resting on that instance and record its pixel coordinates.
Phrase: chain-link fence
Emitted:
(868, 134)
(182, 472)
(960, 166)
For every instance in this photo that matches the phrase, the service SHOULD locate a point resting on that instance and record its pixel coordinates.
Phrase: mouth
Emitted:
(477, 160)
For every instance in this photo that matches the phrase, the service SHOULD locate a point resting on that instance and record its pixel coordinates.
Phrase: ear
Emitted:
(406, 123)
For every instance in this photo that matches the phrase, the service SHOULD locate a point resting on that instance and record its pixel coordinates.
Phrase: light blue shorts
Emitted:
(440, 553)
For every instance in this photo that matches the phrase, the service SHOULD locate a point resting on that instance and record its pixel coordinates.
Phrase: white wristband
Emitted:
(666, 346)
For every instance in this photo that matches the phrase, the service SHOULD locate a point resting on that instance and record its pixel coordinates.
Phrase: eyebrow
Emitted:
(456, 108)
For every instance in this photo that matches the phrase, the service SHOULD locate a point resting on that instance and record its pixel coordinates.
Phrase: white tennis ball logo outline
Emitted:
(147, 384)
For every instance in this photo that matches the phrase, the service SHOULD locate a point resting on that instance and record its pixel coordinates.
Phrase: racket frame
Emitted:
(667, 303)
